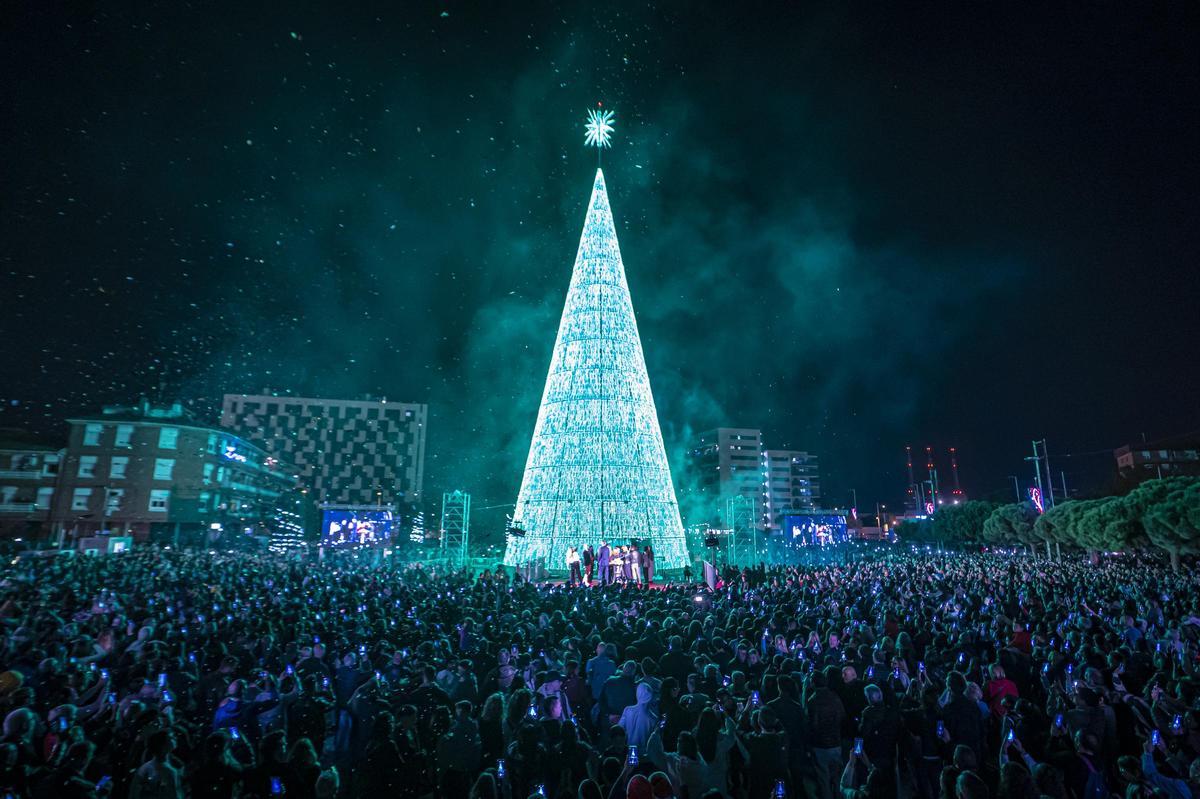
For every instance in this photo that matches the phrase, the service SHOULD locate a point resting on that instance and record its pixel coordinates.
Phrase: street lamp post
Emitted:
(1037, 468)
(1049, 474)
(1037, 475)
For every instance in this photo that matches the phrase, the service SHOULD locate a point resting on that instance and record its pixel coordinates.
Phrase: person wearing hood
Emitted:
(640, 720)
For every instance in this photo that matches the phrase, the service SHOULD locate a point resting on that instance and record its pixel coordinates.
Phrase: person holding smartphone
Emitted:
(858, 767)
(226, 759)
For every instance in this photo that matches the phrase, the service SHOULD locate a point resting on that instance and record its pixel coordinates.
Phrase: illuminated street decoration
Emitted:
(598, 129)
(1035, 496)
(597, 469)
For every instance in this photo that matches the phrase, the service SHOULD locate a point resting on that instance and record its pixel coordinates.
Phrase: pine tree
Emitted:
(597, 468)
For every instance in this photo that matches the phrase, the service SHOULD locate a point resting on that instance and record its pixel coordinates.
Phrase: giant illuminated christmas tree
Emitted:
(597, 469)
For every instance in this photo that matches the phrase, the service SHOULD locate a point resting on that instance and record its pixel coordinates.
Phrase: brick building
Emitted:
(28, 478)
(158, 473)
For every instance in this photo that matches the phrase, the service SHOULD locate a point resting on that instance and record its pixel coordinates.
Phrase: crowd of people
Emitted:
(160, 674)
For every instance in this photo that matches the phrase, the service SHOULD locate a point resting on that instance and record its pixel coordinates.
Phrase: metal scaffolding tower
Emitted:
(742, 541)
(456, 527)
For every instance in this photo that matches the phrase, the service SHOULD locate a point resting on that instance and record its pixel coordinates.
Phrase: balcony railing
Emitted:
(24, 474)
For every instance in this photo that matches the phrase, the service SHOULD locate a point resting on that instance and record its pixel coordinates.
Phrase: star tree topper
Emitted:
(599, 129)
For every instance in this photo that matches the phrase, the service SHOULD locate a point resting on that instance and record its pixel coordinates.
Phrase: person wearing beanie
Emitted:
(639, 788)
(660, 786)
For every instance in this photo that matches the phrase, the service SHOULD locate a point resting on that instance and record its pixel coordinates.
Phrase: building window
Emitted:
(91, 435)
(81, 498)
(45, 496)
(158, 499)
(116, 469)
(167, 437)
(87, 465)
(124, 435)
(163, 467)
(112, 500)
(208, 471)
(212, 443)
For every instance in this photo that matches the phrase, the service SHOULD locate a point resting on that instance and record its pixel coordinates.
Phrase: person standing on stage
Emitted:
(602, 561)
(635, 564)
(627, 558)
(573, 565)
(648, 564)
(589, 563)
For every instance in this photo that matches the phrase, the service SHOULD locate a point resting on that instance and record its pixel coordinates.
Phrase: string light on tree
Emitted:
(597, 468)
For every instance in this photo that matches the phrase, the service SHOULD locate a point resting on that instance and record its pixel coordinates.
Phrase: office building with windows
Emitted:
(793, 484)
(729, 462)
(346, 452)
(157, 473)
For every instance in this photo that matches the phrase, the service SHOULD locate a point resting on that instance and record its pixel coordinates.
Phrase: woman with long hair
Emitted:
(1016, 782)
(304, 767)
(491, 727)
(715, 736)
(485, 787)
(516, 713)
(220, 773)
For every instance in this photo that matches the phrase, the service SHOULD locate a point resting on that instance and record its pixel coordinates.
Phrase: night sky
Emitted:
(854, 227)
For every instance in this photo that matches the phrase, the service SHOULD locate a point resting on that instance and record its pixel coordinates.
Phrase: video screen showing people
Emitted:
(351, 529)
(815, 531)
